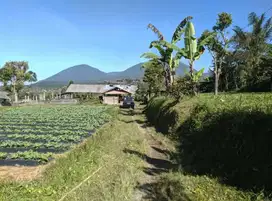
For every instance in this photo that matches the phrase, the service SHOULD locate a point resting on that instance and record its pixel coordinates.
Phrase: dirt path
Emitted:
(156, 161)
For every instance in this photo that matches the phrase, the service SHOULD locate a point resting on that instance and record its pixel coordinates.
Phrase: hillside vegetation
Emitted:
(224, 145)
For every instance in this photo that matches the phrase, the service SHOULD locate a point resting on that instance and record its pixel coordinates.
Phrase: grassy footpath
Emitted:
(115, 180)
(224, 147)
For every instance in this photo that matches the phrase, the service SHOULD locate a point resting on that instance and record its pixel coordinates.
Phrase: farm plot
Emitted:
(33, 135)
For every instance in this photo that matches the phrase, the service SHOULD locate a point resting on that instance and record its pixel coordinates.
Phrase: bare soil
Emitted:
(156, 161)
(21, 173)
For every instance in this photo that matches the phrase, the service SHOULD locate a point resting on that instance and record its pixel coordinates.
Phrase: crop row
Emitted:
(46, 138)
(34, 145)
(27, 155)
(40, 132)
(27, 132)
(40, 120)
(71, 128)
(61, 111)
(43, 118)
(52, 123)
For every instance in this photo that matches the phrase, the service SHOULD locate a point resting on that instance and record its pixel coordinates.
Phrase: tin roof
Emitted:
(98, 88)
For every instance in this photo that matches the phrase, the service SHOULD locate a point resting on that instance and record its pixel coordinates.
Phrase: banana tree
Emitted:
(193, 49)
(168, 60)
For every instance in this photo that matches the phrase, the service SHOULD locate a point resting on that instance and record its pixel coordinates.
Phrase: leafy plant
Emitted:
(167, 59)
(55, 127)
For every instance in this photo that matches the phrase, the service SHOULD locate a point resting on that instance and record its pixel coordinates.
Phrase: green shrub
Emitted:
(154, 107)
(228, 137)
(179, 187)
(166, 113)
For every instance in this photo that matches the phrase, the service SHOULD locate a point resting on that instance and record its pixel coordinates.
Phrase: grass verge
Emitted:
(115, 179)
(224, 146)
(179, 187)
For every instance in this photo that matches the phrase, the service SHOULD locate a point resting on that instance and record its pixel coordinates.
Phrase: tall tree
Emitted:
(153, 76)
(254, 44)
(218, 46)
(167, 57)
(266, 67)
(193, 49)
(14, 74)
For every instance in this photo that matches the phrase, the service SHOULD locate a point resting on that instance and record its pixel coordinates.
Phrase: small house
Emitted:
(109, 94)
(114, 96)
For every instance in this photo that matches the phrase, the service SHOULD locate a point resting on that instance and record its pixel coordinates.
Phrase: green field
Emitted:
(113, 173)
(32, 135)
(223, 146)
(219, 147)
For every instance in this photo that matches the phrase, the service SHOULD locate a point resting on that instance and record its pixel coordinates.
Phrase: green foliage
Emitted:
(193, 48)
(57, 128)
(254, 45)
(153, 77)
(167, 58)
(70, 82)
(218, 46)
(142, 92)
(14, 74)
(166, 113)
(223, 22)
(149, 55)
(226, 137)
(180, 187)
(156, 31)
(180, 30)
(115, 180)
(243, 123)
(182, 87)
(198, 75)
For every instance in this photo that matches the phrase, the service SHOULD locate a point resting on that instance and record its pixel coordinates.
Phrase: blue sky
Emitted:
(107, 34)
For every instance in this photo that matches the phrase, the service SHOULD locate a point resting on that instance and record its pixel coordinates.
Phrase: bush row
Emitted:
(228, 136)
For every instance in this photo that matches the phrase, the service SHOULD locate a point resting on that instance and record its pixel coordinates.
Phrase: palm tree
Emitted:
(166, 58)
(254, 43)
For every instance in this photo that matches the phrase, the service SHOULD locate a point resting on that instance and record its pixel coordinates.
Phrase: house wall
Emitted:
(111, 100)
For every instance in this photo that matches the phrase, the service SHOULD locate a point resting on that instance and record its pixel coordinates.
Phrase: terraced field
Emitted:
(33, 135)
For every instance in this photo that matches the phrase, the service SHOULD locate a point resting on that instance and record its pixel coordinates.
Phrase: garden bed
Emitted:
(33, 135)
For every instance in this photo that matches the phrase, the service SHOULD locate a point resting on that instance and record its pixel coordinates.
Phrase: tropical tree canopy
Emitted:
(254, 44)
(167, 56)
(14, 74)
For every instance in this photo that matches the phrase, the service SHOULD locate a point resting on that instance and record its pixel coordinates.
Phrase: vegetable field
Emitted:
(33, 135)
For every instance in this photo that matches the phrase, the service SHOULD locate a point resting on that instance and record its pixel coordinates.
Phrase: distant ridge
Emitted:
(83, 74)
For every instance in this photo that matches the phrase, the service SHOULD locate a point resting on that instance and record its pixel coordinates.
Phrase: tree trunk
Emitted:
(171, 79)
(15, 93)
(216, 76)
(168, 79)
(194, 87)
(271, 83)
(191, 66)
(235, 82)
(216, 81)
(226, 83)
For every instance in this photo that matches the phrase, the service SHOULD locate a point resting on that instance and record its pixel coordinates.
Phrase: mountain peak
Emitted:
(84, 73)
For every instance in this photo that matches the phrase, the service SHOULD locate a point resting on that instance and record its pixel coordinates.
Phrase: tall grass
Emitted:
(227, 137)
(115, 180)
